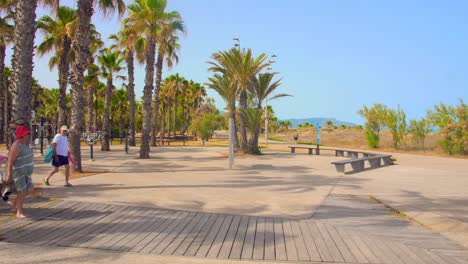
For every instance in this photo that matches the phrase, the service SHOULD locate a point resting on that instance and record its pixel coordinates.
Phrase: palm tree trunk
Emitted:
(6, 116)
(163, 123)
(253, 142)
(95, 121)
(121, 127)
(80, 45)
(147, 92)
(90, 108)
(243, 125)
(131, 97)
(106, 124)
(159, 67)
(23, 41)
(175, 114)
(169, 117)
(3, 97)
(63, 80)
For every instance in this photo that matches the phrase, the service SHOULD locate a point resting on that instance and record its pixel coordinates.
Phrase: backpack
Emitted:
(49, 154)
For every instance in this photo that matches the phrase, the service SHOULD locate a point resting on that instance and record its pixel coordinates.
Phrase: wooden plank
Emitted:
(332, 248)
(200, 238)
(228, 242)
(408, 256)
(436, 257)
(109, 229)
(210, 237)
(78, 224)
(163, 233)
(157, 218)
(309, 241)
(130, 229)
(383, 255)
(259, 245)
(182, 248)
(291, 251)
(247, 249)
(173, 234)
(109, 237)
(422, 255)
(366, 251)
(154, 232)
(220, 237)
(236, 251)
(301, 247)
(183, 235)
(43, 212)
(7, 215)
(40, 225)
(322, 248)
(269, 239)
(345, 252)
(65, 226)
(280, 244)
(86, 232)
(360, 258)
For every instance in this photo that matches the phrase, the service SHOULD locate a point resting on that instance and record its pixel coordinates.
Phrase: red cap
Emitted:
(22, 131)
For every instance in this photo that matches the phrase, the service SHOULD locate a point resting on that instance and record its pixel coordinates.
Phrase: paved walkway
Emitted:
(346, 229)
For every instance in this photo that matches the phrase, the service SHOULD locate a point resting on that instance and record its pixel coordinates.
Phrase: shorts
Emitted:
(62, 160)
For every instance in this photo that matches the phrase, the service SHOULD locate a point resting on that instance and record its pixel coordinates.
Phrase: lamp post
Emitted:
(41, 131)
(266, 104)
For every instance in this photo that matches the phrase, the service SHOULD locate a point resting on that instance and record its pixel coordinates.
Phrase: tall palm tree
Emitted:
(132, 44)
(91, 82)
(6, 32)
(262, 88)
(228, 90)
(111, 65)
(58, 35)
(167, 51)
(80, 45)
(146, 16)
(241, 66)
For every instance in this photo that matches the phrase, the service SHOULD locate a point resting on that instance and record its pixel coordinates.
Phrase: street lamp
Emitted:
(237, 45)
(266, 104)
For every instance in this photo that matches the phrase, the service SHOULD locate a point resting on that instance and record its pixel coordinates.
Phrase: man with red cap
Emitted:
(20, 168)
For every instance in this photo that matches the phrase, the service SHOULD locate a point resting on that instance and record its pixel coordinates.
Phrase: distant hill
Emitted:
(320, 120)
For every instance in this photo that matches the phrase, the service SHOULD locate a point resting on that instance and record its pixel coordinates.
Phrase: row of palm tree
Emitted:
(148, 28)
(240, 77)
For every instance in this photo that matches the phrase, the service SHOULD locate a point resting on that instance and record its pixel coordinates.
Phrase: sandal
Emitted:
(46, 182)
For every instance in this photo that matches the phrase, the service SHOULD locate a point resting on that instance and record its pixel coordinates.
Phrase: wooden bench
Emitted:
(358, 164)
(338, 152)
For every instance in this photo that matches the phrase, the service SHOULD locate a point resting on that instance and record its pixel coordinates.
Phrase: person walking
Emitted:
(19, 169)
(296, 137)
(61, 153)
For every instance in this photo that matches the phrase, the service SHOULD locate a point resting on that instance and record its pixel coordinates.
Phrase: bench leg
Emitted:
(387, 160)
(311, 152)
(293, 150)
(365, 154)
(355, 155)
(339, 168)
(375, 163)
(358, 166)
(317, 151)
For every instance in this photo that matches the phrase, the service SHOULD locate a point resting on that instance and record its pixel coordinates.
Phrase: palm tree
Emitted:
(168, 46)
(111, 65)
(262, 88)
(6, 32)
(58, 35)
(146, 17)
(128, 40)
(80, 45)
(227, 89)
(241, 66)
(91, 82)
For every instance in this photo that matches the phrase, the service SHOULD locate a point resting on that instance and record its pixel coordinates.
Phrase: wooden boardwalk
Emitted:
(343, 230)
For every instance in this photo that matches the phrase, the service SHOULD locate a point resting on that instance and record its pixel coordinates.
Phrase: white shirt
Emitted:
(62, 145)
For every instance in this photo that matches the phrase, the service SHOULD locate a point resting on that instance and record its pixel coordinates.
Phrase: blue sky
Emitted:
(334, 56)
